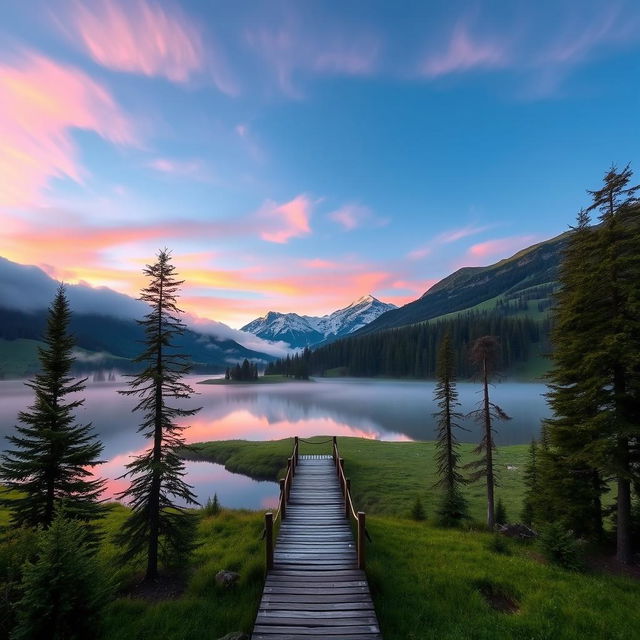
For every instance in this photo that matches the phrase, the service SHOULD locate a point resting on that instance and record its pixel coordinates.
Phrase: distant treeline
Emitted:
(411, 351)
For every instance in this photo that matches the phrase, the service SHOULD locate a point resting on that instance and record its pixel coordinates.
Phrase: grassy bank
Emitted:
(386, 476)
(261, 380)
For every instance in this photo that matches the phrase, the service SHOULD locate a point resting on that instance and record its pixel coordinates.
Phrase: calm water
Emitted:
(386, 410)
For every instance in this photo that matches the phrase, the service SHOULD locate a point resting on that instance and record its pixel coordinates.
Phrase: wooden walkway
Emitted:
(315, 589)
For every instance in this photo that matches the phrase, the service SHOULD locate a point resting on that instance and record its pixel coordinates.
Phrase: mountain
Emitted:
(104, 324)
(524, 282)
(305, 331)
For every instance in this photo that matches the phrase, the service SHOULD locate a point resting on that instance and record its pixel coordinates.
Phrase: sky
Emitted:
(295, 156)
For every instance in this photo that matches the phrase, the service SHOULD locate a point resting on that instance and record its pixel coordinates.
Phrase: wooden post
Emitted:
(341, 474)
(296, 447)
(268, 527)
(289, 476)
(335, 447)
(346, 499)
(283, 498)
(361, 538)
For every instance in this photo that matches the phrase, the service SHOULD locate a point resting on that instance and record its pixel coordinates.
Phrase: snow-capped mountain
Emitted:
(305, 331)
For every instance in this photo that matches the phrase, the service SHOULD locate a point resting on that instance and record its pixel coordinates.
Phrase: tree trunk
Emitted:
(489, 453)
(623, 516)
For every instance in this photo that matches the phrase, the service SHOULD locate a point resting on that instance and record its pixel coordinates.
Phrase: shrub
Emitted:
(64, 589)
(212, 508)
(417, 511)
(501, 513)
(452, 509)
(560, 547)
(498, 544)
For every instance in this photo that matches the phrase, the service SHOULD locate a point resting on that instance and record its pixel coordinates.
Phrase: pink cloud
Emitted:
(500, 247)
(419, 253)
(285, 221)
(184, 168)
(351, 216)
(41, 101)
(453, 235)
(147, 38)
(318, 263)
(465, 53)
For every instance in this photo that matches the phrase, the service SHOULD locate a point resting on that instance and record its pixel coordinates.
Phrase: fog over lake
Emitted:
(382, 409)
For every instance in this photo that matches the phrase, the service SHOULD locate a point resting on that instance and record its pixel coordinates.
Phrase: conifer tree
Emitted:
(51, 456)
(485, 355)
(453, 507)
(532, 486)
(157, 475)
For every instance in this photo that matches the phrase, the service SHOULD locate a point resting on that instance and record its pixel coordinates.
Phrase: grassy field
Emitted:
(261, 380)
(386, 476)
(18, 358)
(427, 583)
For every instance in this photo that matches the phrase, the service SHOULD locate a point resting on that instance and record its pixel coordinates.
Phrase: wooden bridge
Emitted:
(316, 586)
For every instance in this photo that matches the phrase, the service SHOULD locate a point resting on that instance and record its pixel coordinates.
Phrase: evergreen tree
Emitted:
(595, 381)
(64, 591)
(501, 512)
(452, 508)
(52, 456)
(485, 354)
(157, 474)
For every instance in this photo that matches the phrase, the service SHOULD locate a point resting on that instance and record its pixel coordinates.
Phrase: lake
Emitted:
(382, 409)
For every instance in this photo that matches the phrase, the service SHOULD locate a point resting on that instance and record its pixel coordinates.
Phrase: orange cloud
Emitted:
(137, 36)
(41, 101)
(286, 221)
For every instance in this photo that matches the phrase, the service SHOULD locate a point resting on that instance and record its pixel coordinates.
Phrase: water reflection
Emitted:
(387, 410)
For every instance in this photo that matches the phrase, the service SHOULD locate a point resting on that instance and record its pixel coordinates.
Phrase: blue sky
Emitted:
(297, 155)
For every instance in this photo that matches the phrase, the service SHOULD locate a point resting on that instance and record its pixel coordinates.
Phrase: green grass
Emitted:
(426, 582)
(426, 585)
(275, 379)
(386, 476)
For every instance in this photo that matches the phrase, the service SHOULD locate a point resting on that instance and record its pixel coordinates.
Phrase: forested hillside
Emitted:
(411, 351)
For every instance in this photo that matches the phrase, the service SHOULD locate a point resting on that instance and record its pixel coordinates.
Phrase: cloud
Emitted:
(419, 253)
(285, 221)
(500, 246)
(464, 53)
(145, 38)
(290, 48)
(352, 216)
(453, 235)
(41, 102)
(193, 169)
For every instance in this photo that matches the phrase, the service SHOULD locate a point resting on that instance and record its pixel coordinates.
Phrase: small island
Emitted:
(271, 379)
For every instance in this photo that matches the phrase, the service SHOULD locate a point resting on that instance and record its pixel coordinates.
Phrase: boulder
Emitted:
(226, 578)
(517, 530)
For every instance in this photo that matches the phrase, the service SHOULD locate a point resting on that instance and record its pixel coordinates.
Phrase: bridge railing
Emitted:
(359, 517)
(270, 521)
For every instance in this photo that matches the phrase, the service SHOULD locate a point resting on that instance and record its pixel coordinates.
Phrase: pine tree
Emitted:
(453, 506)
(485, 355)
(618, 347)
(64, 591)
(501, 512)
(52, 456)
(157, 474)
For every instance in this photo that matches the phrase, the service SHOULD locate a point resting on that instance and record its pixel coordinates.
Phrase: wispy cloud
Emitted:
(499, 247)
(465, 52)
(281, 222)
(41, 102)
(193, 169)
(446, 237)
(353, 216)
(137, 36)
(290, 47)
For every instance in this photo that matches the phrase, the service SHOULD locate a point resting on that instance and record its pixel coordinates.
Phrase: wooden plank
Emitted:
(315, 589)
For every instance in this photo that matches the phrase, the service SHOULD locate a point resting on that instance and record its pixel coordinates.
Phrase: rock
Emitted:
(226, 578)
(517, 530)
(235, 635)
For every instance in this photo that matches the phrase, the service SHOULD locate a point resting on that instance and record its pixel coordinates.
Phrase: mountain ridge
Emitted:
(307, 331)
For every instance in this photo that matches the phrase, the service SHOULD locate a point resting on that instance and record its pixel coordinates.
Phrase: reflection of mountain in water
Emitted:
(385, 408)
